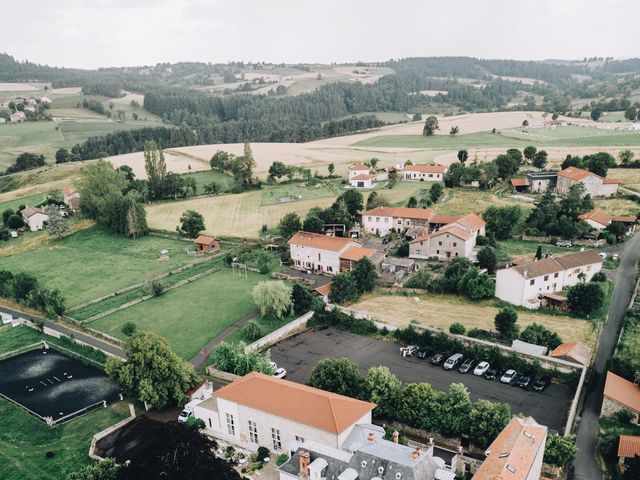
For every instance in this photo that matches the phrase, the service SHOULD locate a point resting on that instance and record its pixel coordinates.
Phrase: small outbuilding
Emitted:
(206, 244)
(573, 352)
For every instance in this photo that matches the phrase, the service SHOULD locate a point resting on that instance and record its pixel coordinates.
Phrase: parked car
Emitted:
(492, 374)
(508, 377)
(437, 359)
(422, 354)
(540, 384)
(280, 373)
(185, 415)
(467, 365)
(564, 243)
(385, 240)
(453, 361)
(481, 368)
(408, 350)
(523, 381)
(603, 255)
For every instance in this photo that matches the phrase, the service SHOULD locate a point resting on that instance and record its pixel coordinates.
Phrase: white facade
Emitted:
(361, 181)
(36, 221)
(444, 245)
(381, 220)
(358, 170)
(318, 253)
(524, 284)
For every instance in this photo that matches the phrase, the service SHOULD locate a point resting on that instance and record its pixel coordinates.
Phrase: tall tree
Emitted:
(273, 298)
(339, 376)
(191, 223)
(289, 225)
(430, 126)
(156, 168)
(530, 152)
(365, 275)
(463, 155)
(382, 388)
(540, 160)
(506, 322)
(101, 188)
(153, 373)
(486, 421)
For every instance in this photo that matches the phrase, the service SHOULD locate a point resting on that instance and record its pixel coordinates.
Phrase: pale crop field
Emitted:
(440, 311)
(629, 177)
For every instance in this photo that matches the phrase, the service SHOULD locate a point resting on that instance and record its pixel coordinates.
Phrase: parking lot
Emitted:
(300, 353)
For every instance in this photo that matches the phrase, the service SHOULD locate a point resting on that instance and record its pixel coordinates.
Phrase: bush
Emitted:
(282, 459)
(457, 328)
(194, 422)
(342, 321)
(252, 331)
(129, 329)
(599, 277)
(263, 452)
(420, 279)
(156, 288)
(624, 416)
(585, 298)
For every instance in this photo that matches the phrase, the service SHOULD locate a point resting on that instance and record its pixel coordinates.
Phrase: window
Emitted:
(210, 426)
(532, 281)
(275, 436)
(417, 251)
(231, 426)
(386, 219)
(555, 275)
(546, 277)
(329, 269)
(437, 252)
(318, 257)
(253, 432)
(299, 439)
(439, 244)
(377, 219)
(369, 218)
(456, 254)
(455, 244)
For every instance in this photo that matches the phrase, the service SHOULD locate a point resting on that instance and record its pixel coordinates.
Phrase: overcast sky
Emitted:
(93, 33)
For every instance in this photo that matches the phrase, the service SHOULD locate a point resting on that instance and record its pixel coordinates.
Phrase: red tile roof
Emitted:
(610, 181)
(423, 168)
(471, 221)
(206, 240)
(624, 219)
(575, 173)
(362, 176)
(321, 241)
(296, 402)
(512, 454)
(576, 351)
(629, 446)
(451, 229)
(358, 166)
(400, 212)
(357, 253)
(324, 289)
(622, 391)
(444, 219)
(519, 182)
(598, 216)
(69, 190)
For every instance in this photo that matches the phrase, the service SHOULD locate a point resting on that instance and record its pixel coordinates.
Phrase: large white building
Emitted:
(325, 254)
(594, 185)
(424, 173)
(260, 410)
(525, 284)
(360, 176)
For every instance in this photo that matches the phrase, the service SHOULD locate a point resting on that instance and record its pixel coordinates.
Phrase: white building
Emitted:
(260, 410)
(517, 452)
(360, 176)
(17, 117)
(594, 185)
(524, 284)
(425, 173)
(326, 254)
(34, 218)
(455, 239)
(381, 220)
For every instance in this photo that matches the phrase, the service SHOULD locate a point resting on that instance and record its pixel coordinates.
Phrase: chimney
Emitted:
(303, 459)
(525, 272)
(416, 453)
(396, 435)
(431, 441)
(371, 437)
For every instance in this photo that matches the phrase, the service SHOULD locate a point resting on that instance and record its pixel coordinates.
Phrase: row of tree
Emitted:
(25, 289)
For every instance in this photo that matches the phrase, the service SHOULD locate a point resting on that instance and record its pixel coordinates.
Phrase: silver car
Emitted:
(508, 377)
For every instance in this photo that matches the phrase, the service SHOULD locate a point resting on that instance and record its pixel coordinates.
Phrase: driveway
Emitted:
(585, 465)
(300, 353)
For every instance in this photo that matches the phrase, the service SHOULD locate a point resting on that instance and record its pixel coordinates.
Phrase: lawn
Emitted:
(190, 316)
(94, 262)
(440, 311)
(511, 249)
(281, 194)
(29, 201)
(226, 182)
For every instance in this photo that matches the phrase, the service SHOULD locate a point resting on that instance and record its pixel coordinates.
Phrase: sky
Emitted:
(101, 33)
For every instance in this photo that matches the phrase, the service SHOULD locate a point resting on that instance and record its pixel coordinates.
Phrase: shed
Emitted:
(206, 244)
(573, 352)
(528, 348)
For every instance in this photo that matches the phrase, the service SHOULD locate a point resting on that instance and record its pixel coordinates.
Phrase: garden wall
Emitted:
(292, 327)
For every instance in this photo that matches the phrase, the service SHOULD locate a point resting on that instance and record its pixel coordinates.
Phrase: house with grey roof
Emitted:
(34, 218)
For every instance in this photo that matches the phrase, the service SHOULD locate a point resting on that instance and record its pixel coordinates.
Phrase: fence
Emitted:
(282, 332)
(18, 351)
(108, 431)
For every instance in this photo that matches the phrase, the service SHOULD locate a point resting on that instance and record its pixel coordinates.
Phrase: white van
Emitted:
(453, 361)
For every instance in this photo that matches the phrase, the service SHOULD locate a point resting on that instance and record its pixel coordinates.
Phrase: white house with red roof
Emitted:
(261, 410)
(381, 220)
(425, 173)
(360, 176)
(594, 185)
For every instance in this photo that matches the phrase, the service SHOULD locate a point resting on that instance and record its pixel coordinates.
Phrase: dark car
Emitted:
(491, 374)
(437, 359)
(523, 381)
(385, 240)
(467, 365)
(540, 384)
(422, 354)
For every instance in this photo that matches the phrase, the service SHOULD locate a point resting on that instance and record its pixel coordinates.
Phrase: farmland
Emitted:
(440, 311)
(94, 262)
(189, 316)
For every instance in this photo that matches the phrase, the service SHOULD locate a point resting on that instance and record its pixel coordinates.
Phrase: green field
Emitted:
(94, 262)
(24, 439)
(226, 182)
(190, 316)
(511, 249)
(29, 201)
(279, 194)
(512, 138)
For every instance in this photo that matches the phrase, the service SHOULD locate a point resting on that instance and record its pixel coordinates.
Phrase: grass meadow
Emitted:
(190, 316)
(93, 262)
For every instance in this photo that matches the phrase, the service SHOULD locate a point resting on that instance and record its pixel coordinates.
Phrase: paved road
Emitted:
(77, 334)
(585, 465)
(300, 353)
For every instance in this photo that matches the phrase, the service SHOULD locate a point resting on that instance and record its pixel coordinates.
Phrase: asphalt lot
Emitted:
(300, 353)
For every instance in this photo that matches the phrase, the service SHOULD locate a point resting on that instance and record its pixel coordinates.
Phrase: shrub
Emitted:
(342, 321)
(194, 422)
(156, 288)
(457, 328)
(585, 298)
(129, 329)
(252, 331)
(263, 452)
(624, 416)
(282, 459)
(419, 279)
(599, 277)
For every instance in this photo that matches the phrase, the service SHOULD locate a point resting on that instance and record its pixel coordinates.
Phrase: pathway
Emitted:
(586, 466)
(201, 357)
(64, 330)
